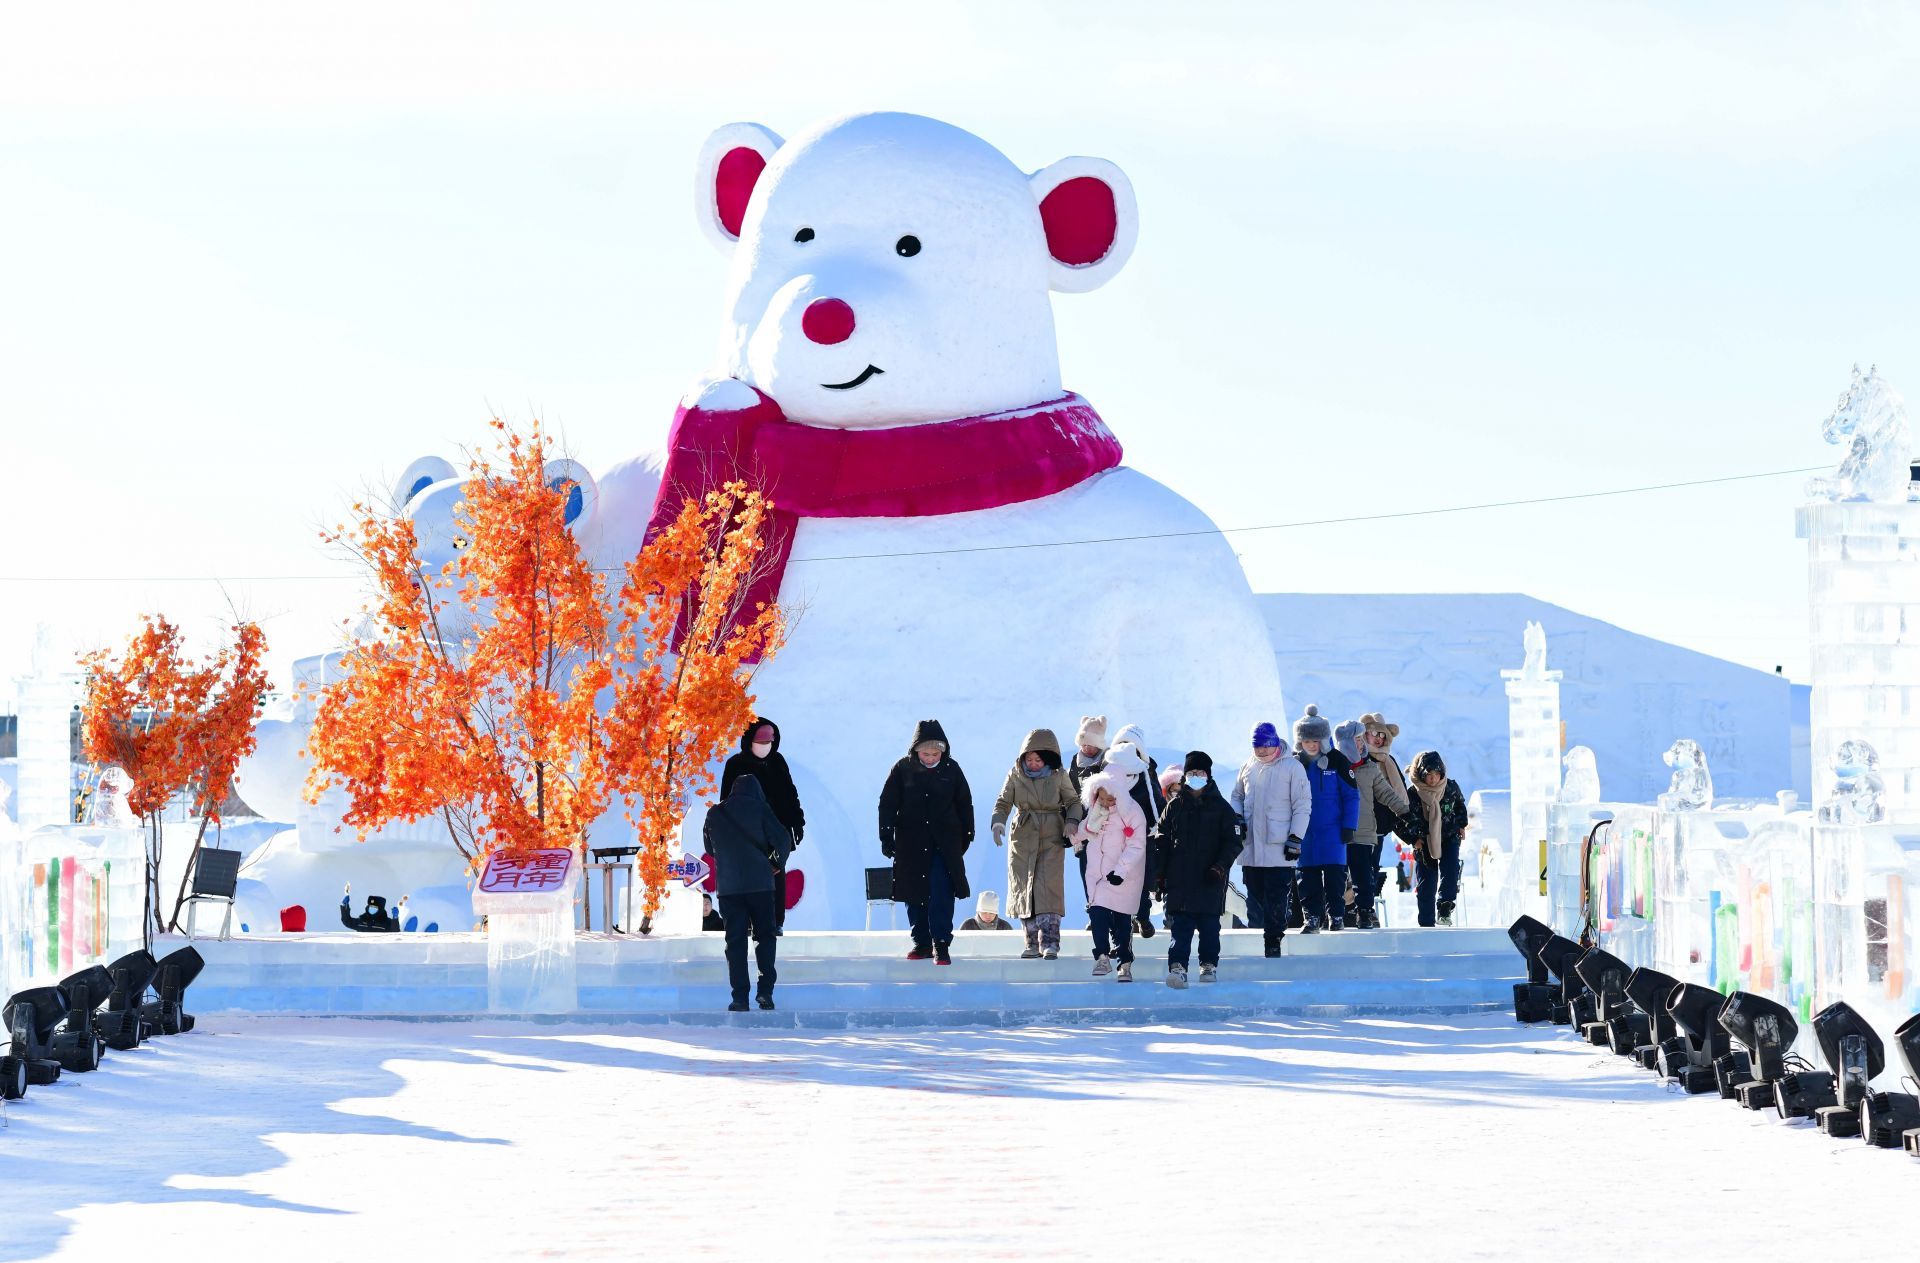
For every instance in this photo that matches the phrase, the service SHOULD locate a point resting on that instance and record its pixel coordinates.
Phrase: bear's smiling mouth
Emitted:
(868, 371)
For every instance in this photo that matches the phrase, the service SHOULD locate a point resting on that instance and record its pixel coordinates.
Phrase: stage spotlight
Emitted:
(122, 1023)
(31, 1017)
(1605, 976)
(1695, 1011)
(171, 978)
(1532, 999)
(1649, 990)
(1766, 1030)
(1802, 1093)
(1560, 954)
(79, 1045)
(1907, 1035)
(1886, 1117)
(1855, 1057)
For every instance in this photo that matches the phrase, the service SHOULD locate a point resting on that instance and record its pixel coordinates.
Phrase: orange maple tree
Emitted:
(174, 726)
(509, 692)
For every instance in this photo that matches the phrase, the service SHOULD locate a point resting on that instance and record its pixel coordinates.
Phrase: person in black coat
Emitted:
(748, 845)
(926, 825)
(1199, 837)
(760, 758)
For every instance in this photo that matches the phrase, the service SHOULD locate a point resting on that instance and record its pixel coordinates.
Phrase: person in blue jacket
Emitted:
(1330, 825)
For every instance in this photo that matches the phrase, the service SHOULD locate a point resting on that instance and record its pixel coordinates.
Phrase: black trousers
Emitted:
(743, 913)
(1269, 894)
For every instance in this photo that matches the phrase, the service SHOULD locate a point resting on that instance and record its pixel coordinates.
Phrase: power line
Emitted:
(993, 548)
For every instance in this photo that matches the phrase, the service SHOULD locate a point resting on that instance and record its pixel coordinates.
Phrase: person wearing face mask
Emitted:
(1039, 798)
(761, 759)
(926, 826)
(1199, 838)
(1273, 799)
(1330, 824)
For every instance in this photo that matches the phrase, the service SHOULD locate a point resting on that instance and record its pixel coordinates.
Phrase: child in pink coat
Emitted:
(1114, 835)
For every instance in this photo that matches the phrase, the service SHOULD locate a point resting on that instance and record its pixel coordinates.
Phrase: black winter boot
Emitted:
(941, 954)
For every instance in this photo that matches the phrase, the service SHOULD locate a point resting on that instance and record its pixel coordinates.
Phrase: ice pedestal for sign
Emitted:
(45, 701)
(1863, 589)
(530, 942)
(1533, 765)
(1865, 921)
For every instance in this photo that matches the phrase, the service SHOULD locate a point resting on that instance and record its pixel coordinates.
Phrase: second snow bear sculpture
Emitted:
(954, 529)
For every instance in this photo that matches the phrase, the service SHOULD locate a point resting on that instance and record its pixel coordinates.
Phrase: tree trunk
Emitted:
(179, 900)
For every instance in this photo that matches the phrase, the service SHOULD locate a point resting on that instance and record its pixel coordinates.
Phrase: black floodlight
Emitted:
(31, 1017)
(1855, 1056)
(1560, 954)
(1907, 1036)
(1695, 1010)
(1649, 989)
(1803, 1093)
(171, 978)
(1532, 999)
(1766, 1030)
(1605, 975)
(78, 1044)
(1886, 1117)
(122, 1023)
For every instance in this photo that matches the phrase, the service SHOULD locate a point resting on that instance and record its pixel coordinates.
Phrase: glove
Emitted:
(799, 831)
(886, 843)
(1113, 879)
(999, 834)
(1346, 835)
(1292, 848)
(1216, 874)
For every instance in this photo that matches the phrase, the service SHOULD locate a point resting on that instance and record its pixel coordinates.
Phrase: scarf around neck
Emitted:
(1430, 799)
(914, 470)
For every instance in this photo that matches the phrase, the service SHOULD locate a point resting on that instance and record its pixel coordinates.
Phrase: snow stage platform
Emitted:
(830, 979)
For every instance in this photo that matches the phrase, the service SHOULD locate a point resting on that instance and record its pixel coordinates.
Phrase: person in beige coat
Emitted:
(1040, 799)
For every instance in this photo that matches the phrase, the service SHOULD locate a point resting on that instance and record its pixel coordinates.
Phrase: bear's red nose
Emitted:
(827, 321)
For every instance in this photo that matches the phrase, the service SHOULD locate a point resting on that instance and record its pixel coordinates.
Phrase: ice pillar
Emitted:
(1863, 593)
(1533, 745)
(45, 700)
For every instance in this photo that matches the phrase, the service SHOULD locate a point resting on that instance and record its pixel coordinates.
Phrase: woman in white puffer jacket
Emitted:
(1114, 834)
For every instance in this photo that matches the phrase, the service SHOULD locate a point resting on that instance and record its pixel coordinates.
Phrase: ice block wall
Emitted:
(1863, 591)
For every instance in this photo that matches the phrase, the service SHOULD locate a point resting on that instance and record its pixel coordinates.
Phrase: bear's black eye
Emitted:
(803, 236)
(907, 246)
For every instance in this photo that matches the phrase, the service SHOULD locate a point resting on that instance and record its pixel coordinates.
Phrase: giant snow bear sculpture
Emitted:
(956, 534)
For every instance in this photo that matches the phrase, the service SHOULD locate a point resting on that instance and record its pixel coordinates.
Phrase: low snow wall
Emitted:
(1747, 898)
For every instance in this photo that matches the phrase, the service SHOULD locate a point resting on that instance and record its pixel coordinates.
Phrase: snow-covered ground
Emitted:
(1434, 1139)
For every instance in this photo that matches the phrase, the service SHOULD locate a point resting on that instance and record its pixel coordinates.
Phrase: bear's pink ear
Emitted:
(1091, 221)
(730, 165)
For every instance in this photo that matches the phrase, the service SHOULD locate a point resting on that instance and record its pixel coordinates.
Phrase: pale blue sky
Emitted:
(1391, 257)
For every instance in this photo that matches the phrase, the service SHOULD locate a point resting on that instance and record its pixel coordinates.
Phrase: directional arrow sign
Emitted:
(691, 869)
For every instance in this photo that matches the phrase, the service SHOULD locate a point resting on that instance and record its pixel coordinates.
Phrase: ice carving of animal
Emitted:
(1692, 785)
(1581, 781)
(1871, 421)
(1857, 786)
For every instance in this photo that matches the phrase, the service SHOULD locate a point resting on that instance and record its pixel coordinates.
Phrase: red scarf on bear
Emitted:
(921, 470)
